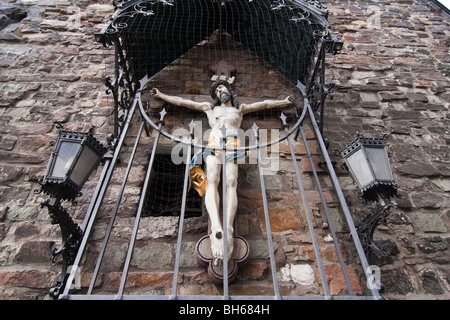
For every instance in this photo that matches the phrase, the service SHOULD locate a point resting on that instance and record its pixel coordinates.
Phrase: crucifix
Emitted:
(224, 114)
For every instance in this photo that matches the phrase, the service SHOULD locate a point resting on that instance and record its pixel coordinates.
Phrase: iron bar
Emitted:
(114, 213)
(110, 165)
(115, 89)
(208, 148)
(71, 237)
(130, 297)
(309, 218)
(107, 160)
(343, 204)
(141, 205)
(224, 215)
(327, 213)
(182, 212)
(266, 216)
(102, 187)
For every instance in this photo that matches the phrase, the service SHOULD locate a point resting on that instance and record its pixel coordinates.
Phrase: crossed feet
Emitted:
(217, 247)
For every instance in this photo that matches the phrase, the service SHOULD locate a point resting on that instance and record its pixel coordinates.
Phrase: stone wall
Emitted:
(391, 77)
(51, 70)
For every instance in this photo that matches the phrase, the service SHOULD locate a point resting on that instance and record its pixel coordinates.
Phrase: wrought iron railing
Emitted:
(127, 91)
(158, 127)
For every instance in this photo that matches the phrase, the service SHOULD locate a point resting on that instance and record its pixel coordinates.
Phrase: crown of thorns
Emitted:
(234, 100)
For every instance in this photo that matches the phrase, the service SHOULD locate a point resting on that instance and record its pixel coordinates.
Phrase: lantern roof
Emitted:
(371, 171)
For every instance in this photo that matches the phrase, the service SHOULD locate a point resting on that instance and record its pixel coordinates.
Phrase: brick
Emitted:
(25, 230)
(253, 270)
(313, 196)
(252, 290)
(86, 277)
(28, 278)
(200, 277)
(306, 165)
(336, 281)
(145, 279)
(281, 219)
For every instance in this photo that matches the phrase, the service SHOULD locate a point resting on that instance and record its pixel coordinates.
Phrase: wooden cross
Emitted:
(222, 70)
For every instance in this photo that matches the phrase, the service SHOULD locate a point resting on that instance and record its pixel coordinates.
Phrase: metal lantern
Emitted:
(367, 159)
(75, 155)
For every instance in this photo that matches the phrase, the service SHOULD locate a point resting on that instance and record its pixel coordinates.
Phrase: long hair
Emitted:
(217, 102)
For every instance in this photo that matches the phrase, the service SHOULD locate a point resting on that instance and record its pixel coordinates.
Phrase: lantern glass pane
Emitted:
(66, 155)
(359, 168)
(380, 163)
(87, 161)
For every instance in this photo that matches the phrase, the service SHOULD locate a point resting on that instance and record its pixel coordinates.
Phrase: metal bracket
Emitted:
(368, 225)
(71, 237)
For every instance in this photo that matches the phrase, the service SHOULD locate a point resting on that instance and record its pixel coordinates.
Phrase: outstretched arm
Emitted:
(266, 104)
(177, 101)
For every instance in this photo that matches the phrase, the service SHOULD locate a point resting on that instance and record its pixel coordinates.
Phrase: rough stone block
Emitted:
(416, 169)
(153, 256)
(27, 278)
(302, 274)
(432, 200)
(431, 283)
(144, 279)
(281, 219)
(432, 244)
(336, 281)
(34, 252)
(427, 222)
(254, 270)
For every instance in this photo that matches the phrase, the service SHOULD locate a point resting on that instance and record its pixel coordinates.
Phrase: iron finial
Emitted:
(283, 119)
(162, 114)
(255, 128)
(191, 126)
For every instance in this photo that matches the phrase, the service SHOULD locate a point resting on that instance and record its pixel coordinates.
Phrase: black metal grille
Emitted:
(163, 196)
(148, 35)
(155, 33)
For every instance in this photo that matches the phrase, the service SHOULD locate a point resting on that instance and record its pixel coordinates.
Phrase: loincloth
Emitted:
(197, 177)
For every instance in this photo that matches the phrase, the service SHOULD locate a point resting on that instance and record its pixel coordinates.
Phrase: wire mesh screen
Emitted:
(177, 44)
(155, 33)
(164, 194)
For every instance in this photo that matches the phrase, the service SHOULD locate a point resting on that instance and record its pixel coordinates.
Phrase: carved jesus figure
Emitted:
(224, 111)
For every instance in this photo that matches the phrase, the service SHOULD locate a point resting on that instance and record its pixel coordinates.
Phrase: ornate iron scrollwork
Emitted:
(71, 238)
(367, 226)
(123, 89)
